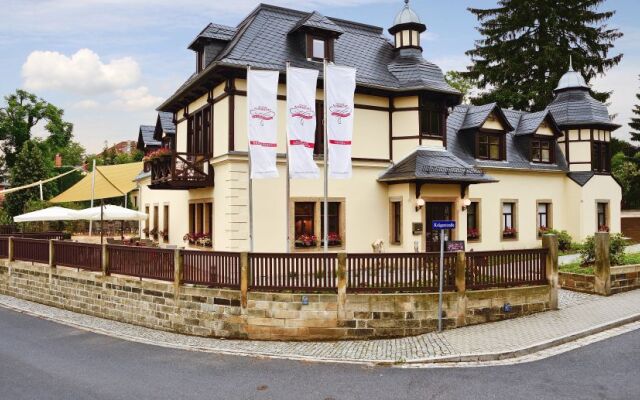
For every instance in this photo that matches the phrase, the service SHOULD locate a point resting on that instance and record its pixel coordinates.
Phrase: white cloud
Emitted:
(136, 99)
(86, 104)
(83, 72)
(428, 36)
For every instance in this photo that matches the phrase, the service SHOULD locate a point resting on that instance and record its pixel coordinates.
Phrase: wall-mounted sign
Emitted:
(454, 245)
(416, 227)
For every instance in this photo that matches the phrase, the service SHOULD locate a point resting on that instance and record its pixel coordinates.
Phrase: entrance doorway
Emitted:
(437, 212)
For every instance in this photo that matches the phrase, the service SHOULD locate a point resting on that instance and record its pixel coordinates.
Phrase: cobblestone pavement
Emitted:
(579, 314)
(567, 298)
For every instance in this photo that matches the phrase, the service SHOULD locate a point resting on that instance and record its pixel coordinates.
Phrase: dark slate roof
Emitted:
(166, 122)
(146, 135)
(530, 122)
(433, 165)
(316, 20)
(463, 145)
(581, 178)
(262, 40)
(215, 32)
(576, 107)
(476, 116)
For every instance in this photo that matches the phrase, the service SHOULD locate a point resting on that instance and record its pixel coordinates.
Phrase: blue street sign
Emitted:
(442, 225)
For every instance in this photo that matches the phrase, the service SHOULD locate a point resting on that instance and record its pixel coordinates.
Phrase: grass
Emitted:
(630, 259)
(577, 268)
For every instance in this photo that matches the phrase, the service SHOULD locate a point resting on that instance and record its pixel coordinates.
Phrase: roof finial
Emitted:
(406, 2)
(571, 62)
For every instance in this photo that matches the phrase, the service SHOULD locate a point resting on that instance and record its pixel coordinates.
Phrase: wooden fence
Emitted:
(399, 272)
(308, 272)
(33, 250)
(211, 269)
(143, 262)
(78, 255)
(54, 235)
(506, 268)
(4, 247)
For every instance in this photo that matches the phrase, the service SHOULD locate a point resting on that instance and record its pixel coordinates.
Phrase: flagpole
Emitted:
(326, 163)
(288, 179)
(250, 180)
(93, 189)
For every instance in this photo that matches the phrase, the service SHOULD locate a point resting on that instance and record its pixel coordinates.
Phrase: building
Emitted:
(505, 176)
(146, 139)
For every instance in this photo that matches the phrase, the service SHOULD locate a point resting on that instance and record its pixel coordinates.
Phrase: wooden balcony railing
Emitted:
(180, 171)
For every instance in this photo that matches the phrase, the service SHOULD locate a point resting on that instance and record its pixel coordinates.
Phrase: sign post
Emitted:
(441, 226)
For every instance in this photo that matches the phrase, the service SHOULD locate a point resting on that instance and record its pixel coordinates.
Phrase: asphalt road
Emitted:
(44, 360)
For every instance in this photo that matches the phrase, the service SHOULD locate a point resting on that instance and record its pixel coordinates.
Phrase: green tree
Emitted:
(30, 166)
(627, 173)
(73, 154)
(460, 82)
(22, 112)
(635, 122)
(525, 48)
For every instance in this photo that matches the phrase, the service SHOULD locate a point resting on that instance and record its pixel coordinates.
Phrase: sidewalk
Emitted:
(581, 315)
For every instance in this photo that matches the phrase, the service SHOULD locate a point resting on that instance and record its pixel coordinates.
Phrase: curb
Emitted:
(440, 361)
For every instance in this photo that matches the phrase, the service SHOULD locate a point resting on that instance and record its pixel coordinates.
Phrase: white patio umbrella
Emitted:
(111, 213)
(49, 214)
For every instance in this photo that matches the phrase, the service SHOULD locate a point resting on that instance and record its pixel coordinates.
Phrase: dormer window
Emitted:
(490, 146)
(319, 48)
(542, 150)
(200, 61)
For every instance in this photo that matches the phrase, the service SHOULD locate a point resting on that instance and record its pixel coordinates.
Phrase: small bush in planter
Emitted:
(617, 244)
(564, 239)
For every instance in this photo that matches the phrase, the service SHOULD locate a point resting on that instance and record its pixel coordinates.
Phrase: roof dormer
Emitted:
(209, 43)
(407, 28)
(319, 34)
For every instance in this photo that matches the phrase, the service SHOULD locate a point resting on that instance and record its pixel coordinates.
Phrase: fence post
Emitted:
(461, 287)
(602, 268)
(178, 272)
(10, 249)
(342, 286)
(52, 257)
(244, 280)
(105, 260)
(550, 242)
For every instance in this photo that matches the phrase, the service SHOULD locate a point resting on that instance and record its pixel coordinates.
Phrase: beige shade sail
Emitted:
(110, 181)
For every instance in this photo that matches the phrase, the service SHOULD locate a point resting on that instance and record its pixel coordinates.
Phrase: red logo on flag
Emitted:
(262, 113)
(296, 142)
(340, 110)
(303, 112)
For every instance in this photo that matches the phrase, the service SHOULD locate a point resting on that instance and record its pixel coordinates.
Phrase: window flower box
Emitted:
(305, 241)
(199, 239)
(473, 234)
(603, 228)
(542, 230)
(154, 234)
(509, 233)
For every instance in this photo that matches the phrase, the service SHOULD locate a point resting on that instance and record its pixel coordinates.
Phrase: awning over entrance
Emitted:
(434, 166)
(110, 181)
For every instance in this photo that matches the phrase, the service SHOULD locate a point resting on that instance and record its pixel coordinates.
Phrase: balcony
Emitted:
(180, 171)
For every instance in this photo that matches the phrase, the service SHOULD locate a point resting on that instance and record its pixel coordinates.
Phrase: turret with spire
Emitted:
(407, 28)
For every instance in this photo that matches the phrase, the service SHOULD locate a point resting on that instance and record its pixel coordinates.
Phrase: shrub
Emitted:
(564, 239)
(617, 244)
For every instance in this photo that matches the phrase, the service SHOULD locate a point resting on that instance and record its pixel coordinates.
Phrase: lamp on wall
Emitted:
(465, 204)
(419, 204)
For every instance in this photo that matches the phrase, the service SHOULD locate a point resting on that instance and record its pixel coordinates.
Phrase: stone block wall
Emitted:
(577, 282)
(194, 311)
(267, 316)
(625, 278)
(495, 305)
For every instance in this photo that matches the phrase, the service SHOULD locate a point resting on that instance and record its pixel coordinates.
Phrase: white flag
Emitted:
(301, 122)
(262, 101)
(341, 86)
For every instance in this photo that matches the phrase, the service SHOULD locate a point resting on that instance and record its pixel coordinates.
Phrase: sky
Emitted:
(109, 63)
